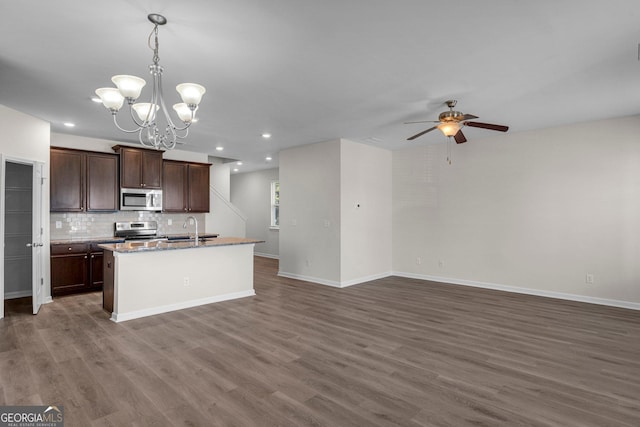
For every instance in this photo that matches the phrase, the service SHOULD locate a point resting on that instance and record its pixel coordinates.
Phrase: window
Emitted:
(275, 204)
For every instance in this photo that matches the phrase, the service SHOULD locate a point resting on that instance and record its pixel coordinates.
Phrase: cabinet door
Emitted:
(68, 274)
(174, 186)
(152, 169)
(96, 273)
(102, 182)
(67, 180)
(198, 188)
(130, 168)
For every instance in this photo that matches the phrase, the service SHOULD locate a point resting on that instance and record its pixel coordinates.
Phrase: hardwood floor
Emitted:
(390, 352)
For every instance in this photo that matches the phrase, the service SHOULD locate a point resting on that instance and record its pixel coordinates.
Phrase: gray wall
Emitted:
(251, 193)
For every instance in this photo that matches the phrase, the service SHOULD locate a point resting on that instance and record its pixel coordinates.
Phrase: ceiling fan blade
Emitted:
(489, 126)
(469, 117)
(459, 137)
(422, 121)
(421, 133)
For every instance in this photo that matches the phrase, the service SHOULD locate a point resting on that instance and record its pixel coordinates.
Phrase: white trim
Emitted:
(365, 279)
(527, 291)
(179, 306)
(18, 294)
(263, 255)
(333, 283)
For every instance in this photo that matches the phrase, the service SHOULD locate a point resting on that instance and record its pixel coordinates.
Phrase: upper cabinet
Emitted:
(185, 186)
(139, 167)
(83, 181)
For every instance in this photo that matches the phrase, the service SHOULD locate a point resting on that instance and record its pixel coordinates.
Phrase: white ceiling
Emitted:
(309, 71)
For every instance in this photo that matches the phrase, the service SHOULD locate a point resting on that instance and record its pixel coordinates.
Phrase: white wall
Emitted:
(251, 193)
(365, 206)
(25, 137)
(533, 211)
(224, 218)
(309, 199)
(324, 236)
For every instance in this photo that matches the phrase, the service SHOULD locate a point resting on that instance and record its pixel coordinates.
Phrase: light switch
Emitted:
(58, 224)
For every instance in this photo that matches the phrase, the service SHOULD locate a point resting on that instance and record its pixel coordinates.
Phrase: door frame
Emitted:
(41, 206)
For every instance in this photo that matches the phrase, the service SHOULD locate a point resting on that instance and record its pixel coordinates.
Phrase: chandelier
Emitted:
(150, 133)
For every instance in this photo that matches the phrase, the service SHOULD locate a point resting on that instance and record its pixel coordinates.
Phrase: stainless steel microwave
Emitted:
(140, 199)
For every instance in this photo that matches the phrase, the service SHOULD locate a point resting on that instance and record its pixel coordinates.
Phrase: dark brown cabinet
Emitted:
(139, 167)
(83, 181)
(185, 186)
(75, 268)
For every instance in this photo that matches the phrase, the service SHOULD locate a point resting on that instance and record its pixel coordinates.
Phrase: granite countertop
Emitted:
(161, 245)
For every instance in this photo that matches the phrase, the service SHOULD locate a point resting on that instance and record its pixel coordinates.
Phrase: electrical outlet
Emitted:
(327, 223)
(58, 224)
(589, 279)
(186, 281)
(169, 221)
(441, 264)
(418, 260)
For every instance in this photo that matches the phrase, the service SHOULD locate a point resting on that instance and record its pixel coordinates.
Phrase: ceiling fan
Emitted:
(451, 123)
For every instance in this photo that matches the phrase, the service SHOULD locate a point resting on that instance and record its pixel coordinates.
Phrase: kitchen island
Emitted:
(152, 277)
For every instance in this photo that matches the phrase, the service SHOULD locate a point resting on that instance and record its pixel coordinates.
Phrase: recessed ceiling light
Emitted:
(96, 99)
(239, 163)
(235, 169)
(268, 159)
(219, 148)
(69, 124)
(266, 135)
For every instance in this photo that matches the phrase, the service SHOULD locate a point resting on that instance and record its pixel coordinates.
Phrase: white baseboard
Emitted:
(263, 255)
(333, 283)
(122, 317)
(17, 294)
(526, 291)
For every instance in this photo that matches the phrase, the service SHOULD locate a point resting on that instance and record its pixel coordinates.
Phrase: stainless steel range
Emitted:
(143, 230)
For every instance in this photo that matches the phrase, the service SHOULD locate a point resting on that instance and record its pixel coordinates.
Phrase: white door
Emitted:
(38, 278)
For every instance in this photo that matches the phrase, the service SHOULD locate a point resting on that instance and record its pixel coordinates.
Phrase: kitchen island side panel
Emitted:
(154, 282)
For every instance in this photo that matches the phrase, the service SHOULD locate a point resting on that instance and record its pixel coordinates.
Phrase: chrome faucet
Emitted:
(196, 222)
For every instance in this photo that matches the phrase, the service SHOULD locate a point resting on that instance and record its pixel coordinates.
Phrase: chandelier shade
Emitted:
(146, 111)
(129, 86)
(152, 120)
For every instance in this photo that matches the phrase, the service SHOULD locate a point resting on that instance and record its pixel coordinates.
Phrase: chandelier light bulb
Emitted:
(111, 98)
(145, 111)
(191, 93)
(129, 86)
(184, 112)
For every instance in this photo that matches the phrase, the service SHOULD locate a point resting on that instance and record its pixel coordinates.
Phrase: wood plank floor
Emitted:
(390, 352)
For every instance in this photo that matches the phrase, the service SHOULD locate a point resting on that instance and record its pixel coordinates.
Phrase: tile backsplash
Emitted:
(97, 225)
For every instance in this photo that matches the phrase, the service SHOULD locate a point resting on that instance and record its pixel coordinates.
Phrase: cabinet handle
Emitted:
(91, 256)
(69, 248)
(85, 257)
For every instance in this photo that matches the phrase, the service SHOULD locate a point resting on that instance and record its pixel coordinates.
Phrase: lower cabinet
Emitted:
(75, 268)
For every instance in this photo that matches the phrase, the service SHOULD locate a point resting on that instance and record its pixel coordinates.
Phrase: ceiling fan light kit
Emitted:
(451, 123)
(129, 88)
